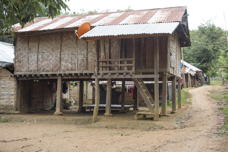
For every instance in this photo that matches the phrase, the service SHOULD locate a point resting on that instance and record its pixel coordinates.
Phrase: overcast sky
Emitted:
(199, 11)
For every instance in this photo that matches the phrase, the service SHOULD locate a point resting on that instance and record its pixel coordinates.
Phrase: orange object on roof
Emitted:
(85, 27)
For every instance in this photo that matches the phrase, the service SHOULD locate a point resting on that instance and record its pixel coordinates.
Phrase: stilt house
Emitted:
(191, 75)
(136, 45)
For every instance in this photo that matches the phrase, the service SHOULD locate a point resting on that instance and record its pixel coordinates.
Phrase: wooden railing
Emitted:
(114, 66)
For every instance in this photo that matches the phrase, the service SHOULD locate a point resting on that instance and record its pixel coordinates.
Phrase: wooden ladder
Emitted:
(144, 92)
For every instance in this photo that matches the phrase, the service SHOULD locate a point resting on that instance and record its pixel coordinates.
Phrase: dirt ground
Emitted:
(191, 129)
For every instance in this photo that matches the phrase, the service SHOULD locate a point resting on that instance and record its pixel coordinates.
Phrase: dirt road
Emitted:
(192, 130)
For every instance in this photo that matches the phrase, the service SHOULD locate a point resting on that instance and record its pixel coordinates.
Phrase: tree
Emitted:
(208, 43)
(23, 11)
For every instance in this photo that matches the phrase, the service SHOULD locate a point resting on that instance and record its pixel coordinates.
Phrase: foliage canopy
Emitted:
(23, 11)
(208, 45)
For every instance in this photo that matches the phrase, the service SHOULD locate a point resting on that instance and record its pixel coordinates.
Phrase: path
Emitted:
(195, 132)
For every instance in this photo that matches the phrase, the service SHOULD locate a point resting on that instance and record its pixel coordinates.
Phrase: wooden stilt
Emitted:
(184, 80)
(179, 93)
(97, 100)
(189, 80)
(58, 108)
(108, 98)
(18, 96)
(93, 94)
(122, 96)
(156, 79)
(81, 96)
(174, 94)
(164, 94)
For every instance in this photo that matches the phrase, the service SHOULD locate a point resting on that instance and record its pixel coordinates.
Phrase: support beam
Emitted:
(174, 94)
(136, 96)
(93, 93)
(189, 81)
(108, 98)
(184, 80)
(122, 95)
(164, 94)
(179, 93)
(81, 96)
(18, 96)
(156, 79)
(58, 108)
(97, 100)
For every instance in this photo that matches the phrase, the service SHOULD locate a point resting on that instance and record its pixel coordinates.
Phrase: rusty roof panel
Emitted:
(131, 29)
(161, 15)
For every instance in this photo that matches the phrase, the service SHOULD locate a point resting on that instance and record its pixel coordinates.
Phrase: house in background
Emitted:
(7, 80)
(191, 75)
(138, 46)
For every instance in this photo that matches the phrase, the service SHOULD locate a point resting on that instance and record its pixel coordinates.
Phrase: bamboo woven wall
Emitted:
(145, 52)
(7, 91)
(54, 53)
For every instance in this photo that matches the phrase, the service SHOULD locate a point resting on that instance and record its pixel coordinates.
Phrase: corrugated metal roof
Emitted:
(190, 68)
(6, 52)
(161, 15)
(132, 29)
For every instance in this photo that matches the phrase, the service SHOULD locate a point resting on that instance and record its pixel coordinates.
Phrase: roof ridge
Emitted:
(117, 11)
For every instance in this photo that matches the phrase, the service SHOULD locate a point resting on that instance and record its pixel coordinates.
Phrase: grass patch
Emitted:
(216, 82)
(222, 97)
(3, 120)
(185, 96)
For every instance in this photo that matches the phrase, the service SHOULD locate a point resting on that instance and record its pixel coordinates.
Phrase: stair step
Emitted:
(144, 93)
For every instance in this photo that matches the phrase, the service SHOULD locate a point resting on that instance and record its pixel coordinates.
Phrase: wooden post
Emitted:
(179, 93)
(156, 79)
(195, 82)
(184, 80)
(93, 93)
(122, 96)
(108, 98)
(58, 108)
(18, 96)
(97, 100)
(174, 94)
(81, 96)
(164, 94)
(189, 80)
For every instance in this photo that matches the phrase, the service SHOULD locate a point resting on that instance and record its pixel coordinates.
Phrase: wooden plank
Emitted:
(174, 94)
(58, 110)
(164, 94)
(117, 65)
(97, 100)
(144, 114)
(108, 98)
(156, 79)
(179, 93)
(116, 59)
